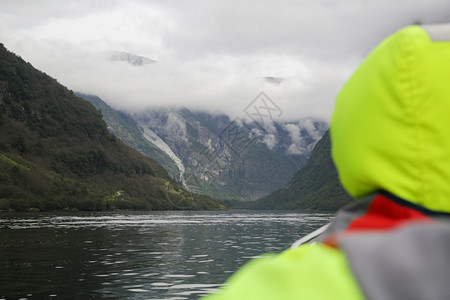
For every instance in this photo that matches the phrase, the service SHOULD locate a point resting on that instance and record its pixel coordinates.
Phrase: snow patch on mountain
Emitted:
(131, 58)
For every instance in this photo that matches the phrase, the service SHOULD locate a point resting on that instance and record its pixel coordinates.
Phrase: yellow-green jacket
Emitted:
(390, 135)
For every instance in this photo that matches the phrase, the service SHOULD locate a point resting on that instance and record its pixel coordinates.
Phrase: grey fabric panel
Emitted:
(411, 263)
(346, 215)
(438, 32)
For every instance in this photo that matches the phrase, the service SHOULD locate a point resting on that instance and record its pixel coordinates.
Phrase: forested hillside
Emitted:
(125, 127)
(56, 152)
(315, 186)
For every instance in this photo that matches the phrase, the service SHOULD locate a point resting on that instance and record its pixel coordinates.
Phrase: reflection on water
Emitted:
(137, 255)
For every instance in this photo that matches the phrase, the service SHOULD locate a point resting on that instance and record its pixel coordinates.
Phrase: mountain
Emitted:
(57, 153)
(125, 127)
(224, 158)
(230, 158)
(130, 58)
(315, 186)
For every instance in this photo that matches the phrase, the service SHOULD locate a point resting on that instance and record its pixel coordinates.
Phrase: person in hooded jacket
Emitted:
(390, 134)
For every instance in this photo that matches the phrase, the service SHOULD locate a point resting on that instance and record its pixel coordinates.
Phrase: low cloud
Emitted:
(296, 147)
(210, 55)
(270, 140)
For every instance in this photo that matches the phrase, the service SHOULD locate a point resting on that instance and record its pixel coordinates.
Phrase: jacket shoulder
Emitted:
(308, 272)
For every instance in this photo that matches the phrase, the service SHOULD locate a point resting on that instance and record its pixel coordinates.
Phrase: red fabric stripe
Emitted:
(384, 214)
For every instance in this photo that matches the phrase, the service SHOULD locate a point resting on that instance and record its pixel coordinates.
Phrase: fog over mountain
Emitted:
(210, 55)
(225, 158)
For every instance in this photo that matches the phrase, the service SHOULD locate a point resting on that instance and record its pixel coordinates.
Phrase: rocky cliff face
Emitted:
(228, 158)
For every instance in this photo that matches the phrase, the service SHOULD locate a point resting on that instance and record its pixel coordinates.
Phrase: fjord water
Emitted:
(137, 255)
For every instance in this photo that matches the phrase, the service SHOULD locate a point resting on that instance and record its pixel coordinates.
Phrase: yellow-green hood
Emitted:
(391, 126)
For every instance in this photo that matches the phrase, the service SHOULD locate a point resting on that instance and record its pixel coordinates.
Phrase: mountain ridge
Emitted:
(56, 152)
(222, 157)
(315, 186)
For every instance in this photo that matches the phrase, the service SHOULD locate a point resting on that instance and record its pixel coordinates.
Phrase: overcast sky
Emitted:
(212, 55)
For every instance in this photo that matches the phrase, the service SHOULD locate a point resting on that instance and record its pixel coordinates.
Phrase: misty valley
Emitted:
(162, 203)
(186, 149)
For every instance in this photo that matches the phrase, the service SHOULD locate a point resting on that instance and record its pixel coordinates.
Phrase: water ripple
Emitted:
(137, 255)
